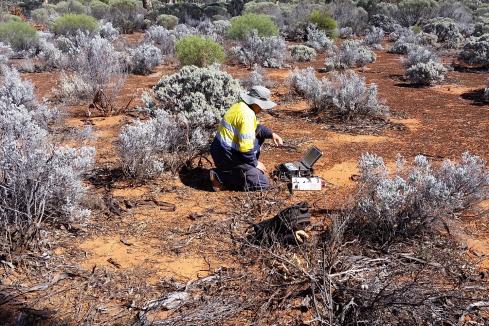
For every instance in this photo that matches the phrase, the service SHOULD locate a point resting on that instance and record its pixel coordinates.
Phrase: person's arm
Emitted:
(263, 132)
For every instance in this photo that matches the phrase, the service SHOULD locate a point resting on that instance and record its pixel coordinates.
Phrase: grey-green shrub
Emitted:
(476, 51)
(198, 51)
(414, 12)
(428, 73)
(167, 21)
(19, 35)
(41, 16)
(302, 53)
(147, 148)
(423, 67)
(350, 54)
(199, 96)
(99, 9)
(242, 26)
(447, 31)
(144, 58)
(5, 53)
(71, 24)
(41, 181)
(162, 38)
(402, 204)
(70, 7)
(318, 40)
(270, 9)
(268, 52)
(126, 15)
(344, 95)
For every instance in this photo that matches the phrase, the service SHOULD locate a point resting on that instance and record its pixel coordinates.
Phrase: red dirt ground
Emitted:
(438, 122)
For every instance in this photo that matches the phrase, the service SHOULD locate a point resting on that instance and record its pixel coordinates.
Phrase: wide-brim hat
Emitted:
(260, 96)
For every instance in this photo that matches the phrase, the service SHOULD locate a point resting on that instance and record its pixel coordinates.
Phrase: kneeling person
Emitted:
(236, 147)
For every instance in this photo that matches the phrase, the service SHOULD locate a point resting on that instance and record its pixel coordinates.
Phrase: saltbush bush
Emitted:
(199, 96)
(374, 38)
(323, 21)
(242, 26)
(198, 51)
(5, 53)
(476, 51)
(95, 67)
(99, 9)
(410, 201)
(126, 15)
(108, 31)
(147, 148)
(162, 38)
(447, 31)
(418, 54)
(386, 23)
(19, 35)
(268, 52)
(345, 96)
(40, 182)
(302, 53)
(51, 56)
(41, 16)
(144, 58)
(167, 21)
(305, 83)
(423, 67)
(346, 32)
(71, 24)
(413, 12)
(350, 54)
(318, 40)
(428, 73)
(70, 7)
(348, 14)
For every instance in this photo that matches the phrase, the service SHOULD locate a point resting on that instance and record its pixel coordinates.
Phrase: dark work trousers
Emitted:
(245, 177)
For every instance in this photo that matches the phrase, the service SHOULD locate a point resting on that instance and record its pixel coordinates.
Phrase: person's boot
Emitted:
(215, 183)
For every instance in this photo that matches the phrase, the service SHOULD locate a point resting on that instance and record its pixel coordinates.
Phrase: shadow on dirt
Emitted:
(105, 177)
(467, 69)
(26, 316)
(407, 85)
(477, 97)
(196, 177)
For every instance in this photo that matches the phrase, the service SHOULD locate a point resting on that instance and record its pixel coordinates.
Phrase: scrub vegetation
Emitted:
(108, 109)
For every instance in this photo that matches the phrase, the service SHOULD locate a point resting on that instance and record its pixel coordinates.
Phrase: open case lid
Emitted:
(311, 156)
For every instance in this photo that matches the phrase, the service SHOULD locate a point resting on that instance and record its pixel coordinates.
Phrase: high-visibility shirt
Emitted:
(235, 142)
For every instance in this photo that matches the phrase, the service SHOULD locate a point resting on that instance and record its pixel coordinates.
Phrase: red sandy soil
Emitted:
(438, 122)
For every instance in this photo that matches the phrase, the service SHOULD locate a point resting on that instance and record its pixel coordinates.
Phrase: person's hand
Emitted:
(260, 166)
(277, 139)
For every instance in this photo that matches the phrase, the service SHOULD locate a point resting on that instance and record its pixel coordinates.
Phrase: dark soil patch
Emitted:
(477, 97)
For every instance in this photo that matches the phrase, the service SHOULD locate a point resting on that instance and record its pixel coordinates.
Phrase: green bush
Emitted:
(99, 9)
(20, 35)
(69, 24)
(70, 7)
(40, 16)
(241, 26)
(198, 51)
(324, 21)
(167, 21)
(9, 18)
